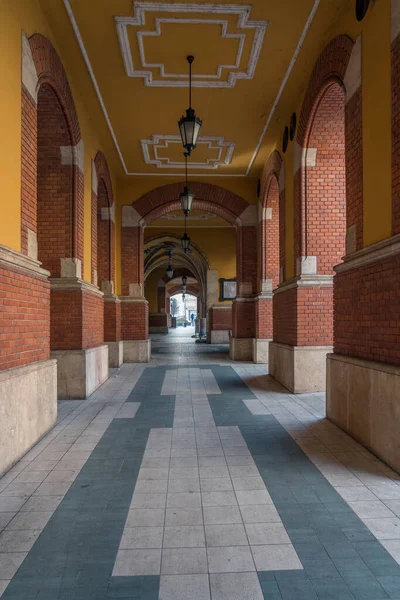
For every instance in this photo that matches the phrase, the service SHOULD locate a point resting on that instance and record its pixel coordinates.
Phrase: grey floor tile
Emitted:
(29, 520)
(141, 537)
(226, 535)
(18, 541)
(42, 503)
(10, 563)
(276, 557)
(184, 587)
(184, 537)
(215, 471)
(266, 533)
(248, 483)
(221, 515)
(216, 485)
(142, 517)
(184, 485)
(230, 559)
(235, 586)
(137, 562)
(183, 516)
(218, 499)
(250, 497)
(183, 499)
(183, 561)
(149, 500)
(11, 503)
(261, 513)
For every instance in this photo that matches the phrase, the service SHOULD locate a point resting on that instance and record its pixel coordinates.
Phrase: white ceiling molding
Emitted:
(224, 156)
(198, 80)
(107, 118)
(179, 217)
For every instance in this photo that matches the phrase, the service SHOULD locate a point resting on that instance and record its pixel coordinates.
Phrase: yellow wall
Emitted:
(150, 288)
(26, 15)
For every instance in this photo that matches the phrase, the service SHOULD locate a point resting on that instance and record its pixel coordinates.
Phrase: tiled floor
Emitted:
(197, 478)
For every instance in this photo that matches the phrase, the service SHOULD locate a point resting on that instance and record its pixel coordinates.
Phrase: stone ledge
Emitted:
(300, 369)
(375, 253)
(305, 281)
(11, 259)
(80, 372)
(72, 284)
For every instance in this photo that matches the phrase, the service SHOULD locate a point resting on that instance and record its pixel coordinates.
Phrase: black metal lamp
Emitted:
(184, 280)
(186, 196)
(185, 240)
(170, 271)
(189, 125)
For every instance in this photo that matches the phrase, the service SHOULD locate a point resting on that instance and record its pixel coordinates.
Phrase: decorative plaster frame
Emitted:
(198, 80)
(165, 163)
(85, 55)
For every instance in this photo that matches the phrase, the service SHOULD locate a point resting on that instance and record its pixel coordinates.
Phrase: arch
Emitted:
(177, 289)
(208, 197)
(52, 87)
(103, 227)
(328, 75)
(271, 226)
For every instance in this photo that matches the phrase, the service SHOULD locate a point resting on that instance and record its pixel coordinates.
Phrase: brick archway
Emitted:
(103, 226)
(208, 197)
(51, 81)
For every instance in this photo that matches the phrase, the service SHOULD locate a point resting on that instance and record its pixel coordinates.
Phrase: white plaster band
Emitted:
(74, 155)
(32, 244)
(352, 78)
(307, 265)
(266, 214)
(249, 216)
(108, 213)
(300, 281)
(73, 284)
(29, 75)
(303, 157)
(130, 217)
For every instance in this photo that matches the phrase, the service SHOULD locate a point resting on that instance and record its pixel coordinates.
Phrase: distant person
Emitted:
(192, 318)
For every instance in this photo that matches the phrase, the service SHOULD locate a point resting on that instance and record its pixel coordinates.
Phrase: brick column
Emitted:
(134, 306)
(158, 322)
(329, 143)
(363, 373)
(243, 307)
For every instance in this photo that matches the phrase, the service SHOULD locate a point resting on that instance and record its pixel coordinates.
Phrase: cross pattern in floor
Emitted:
(159, 456)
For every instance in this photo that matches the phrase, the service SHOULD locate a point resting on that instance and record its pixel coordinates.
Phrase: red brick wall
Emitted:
(54, 184)
(28, 168)
(285, 317)
(220, 318)
(112, 321)
(158, 320)
(272, 234)
(103, 237)
(264, 326)
(24, 318)
(244, 319)
(396, 134)
(134, 320)
(76, 321)
(324, 202)
(132, 258)
(366, 302)
(246, 256)
(94, 238)
(354, 165)
(304, 316)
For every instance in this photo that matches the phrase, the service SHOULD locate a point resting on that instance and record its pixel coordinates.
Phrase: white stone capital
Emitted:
(74, 155)
(130, 217)
(303, 157)
(249, 216)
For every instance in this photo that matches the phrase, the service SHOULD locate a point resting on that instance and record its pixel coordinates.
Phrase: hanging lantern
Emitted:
(170, 272)
(189, 125)
(186, 200)
(185, 242)
(184, 279)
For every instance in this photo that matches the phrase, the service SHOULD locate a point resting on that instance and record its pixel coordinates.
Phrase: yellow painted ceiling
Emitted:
(136, 54)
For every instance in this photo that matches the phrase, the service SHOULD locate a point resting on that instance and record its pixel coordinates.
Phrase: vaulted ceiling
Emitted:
(135, 53)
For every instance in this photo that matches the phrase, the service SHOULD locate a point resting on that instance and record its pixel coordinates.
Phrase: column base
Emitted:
(363, 400)
(301, 369)
(115, 354)
(159, 329)
(80, 372)
(137, 351)
(241, 349)
(219, 336)
(261, 350)
(28, 408)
